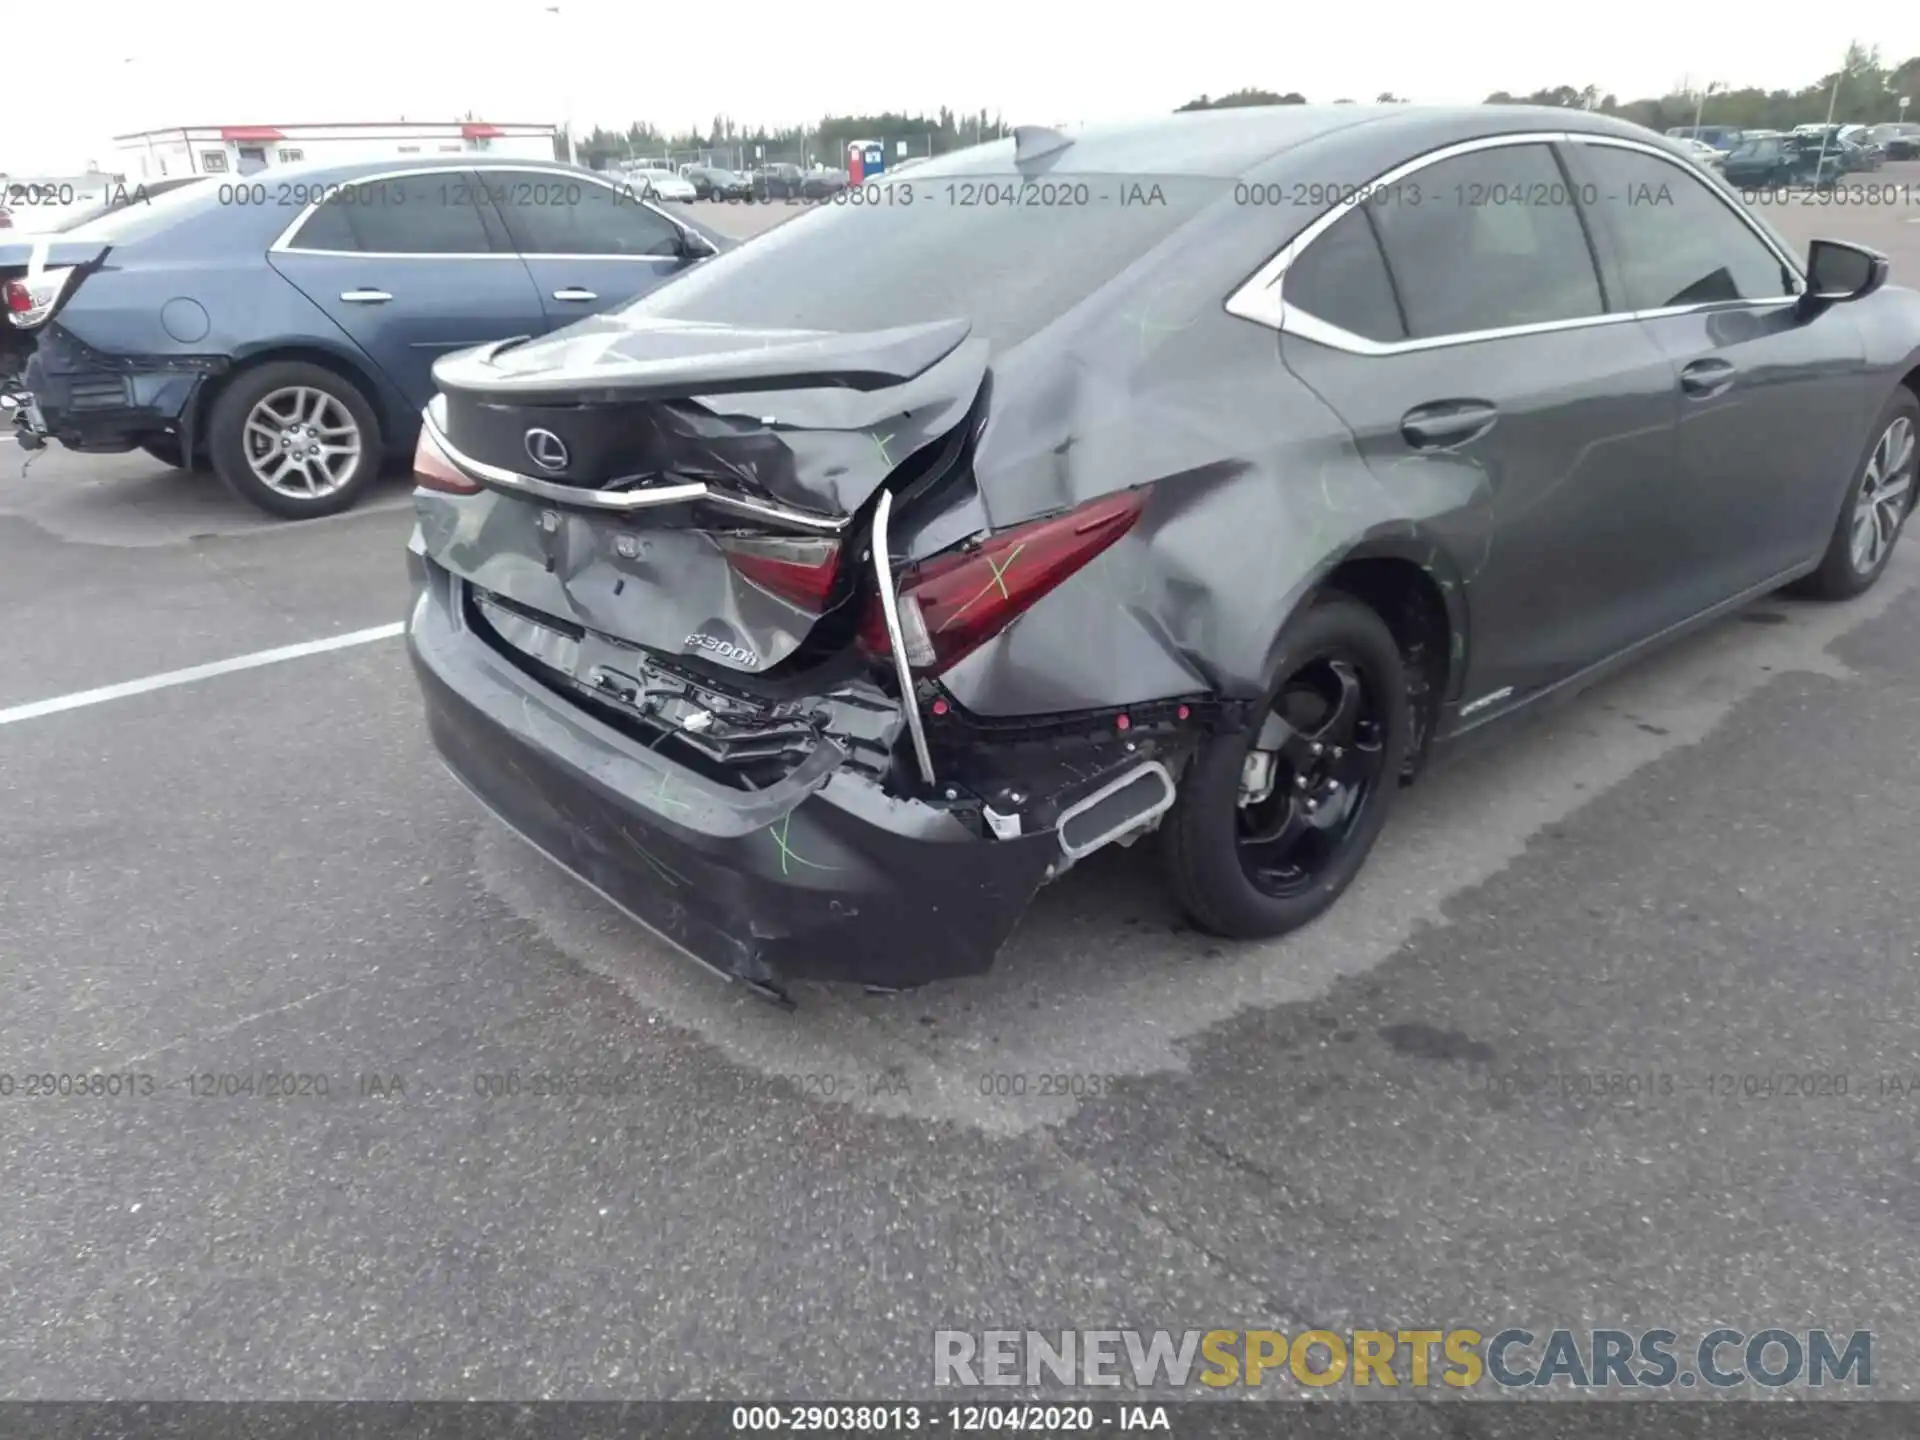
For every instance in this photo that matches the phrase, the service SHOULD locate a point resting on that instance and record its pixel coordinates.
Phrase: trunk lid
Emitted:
(696, 492)
(17, 252)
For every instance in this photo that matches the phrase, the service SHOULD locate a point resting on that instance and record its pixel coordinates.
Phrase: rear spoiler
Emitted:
(711, 360)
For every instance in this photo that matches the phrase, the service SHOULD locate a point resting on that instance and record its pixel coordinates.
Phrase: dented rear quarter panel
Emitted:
(1259, 490)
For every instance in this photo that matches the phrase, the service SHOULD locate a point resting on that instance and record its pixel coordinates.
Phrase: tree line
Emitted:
(1869, 92)
(730, 143)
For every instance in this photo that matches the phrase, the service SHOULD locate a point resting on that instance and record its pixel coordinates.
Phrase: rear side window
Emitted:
(1341, 278)
(1677, 242)
(427, 214)
(933, 247)
(1487, 240)
(549, 213)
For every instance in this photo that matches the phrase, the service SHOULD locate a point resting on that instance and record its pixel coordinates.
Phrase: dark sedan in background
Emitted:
(1899, 140)
(779, 182)
(283, 327)
(822, 183)
(1769, 162)
(710, 182)
(820, 606)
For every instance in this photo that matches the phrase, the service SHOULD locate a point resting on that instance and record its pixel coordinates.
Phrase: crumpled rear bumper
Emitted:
(821, 877)
(92, 401)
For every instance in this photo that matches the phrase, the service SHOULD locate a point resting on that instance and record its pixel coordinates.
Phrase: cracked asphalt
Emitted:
(1532, 1071)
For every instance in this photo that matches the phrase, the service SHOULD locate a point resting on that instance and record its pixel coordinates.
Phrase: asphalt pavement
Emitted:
(1702, 869)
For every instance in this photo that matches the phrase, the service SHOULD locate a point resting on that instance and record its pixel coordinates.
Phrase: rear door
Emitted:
(1459, 327)
(411, 266)
(588, 245)
(1768, 404)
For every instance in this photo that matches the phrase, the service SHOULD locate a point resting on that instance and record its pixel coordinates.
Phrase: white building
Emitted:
(246, 149)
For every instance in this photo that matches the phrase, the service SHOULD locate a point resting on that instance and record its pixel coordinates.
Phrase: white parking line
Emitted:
(192, 673)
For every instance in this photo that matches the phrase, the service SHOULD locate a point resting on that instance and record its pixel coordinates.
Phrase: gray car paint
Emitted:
(1556, 541)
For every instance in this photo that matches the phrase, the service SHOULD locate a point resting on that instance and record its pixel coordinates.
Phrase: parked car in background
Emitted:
(780, 181)
(1721, 137)
(284, 329)
(822, 183)
(664, 185)
(710, 182)
(1837, 140)
(1899, 140)
(824, 683)
(1701, 151)
(1861, 155)
(1858, 146)
(1778, 161)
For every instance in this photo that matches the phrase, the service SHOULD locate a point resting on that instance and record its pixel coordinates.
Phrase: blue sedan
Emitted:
(283, 326)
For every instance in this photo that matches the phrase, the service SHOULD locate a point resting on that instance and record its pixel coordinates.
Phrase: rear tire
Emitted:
(1876, 507)
(1252, 869)
(315, 426)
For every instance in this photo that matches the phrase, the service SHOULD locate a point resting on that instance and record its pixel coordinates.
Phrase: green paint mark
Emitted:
(660, 866)
(1142, 325)
(999, 578)
(880, 444)
(661, 797)
(787, 852)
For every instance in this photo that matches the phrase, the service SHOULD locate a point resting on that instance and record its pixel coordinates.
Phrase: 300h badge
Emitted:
(725, 649)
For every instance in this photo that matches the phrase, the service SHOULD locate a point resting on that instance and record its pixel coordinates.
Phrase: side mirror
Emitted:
(1838, 270)
(696, 246)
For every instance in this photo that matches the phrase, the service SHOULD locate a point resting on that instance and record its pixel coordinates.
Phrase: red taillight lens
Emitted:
(19, 298)
(800, 572)
(953, 604)
(432, 470)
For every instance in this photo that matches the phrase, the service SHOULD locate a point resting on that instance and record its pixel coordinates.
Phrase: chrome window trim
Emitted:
(624, 501)
(284, 244)
(1259, 298)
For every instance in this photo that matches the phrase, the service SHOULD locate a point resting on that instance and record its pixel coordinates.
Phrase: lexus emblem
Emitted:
(546, 449)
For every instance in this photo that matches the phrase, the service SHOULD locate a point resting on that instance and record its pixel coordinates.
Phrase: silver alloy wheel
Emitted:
(301, 442)
(1884, 496)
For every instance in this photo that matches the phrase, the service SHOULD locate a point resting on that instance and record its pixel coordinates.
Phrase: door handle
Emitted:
(365, 297)
(1447, 422)
(574, 292)
(1706, 377)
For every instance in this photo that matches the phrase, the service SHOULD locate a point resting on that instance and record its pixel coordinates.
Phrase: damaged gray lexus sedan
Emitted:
(1195, 477)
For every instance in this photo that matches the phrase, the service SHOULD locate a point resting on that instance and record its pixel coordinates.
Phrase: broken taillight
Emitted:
(800, 572)
(952, 604)
(34, 297)
(434, 470)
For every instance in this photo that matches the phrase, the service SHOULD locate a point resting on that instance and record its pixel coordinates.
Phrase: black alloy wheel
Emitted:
(1328, 750)
(1271, 827)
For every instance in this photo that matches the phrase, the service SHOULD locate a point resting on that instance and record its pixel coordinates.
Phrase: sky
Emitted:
(217, 62)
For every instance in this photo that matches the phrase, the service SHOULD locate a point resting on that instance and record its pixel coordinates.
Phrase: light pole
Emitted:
(573, 149)
(1700, 107)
